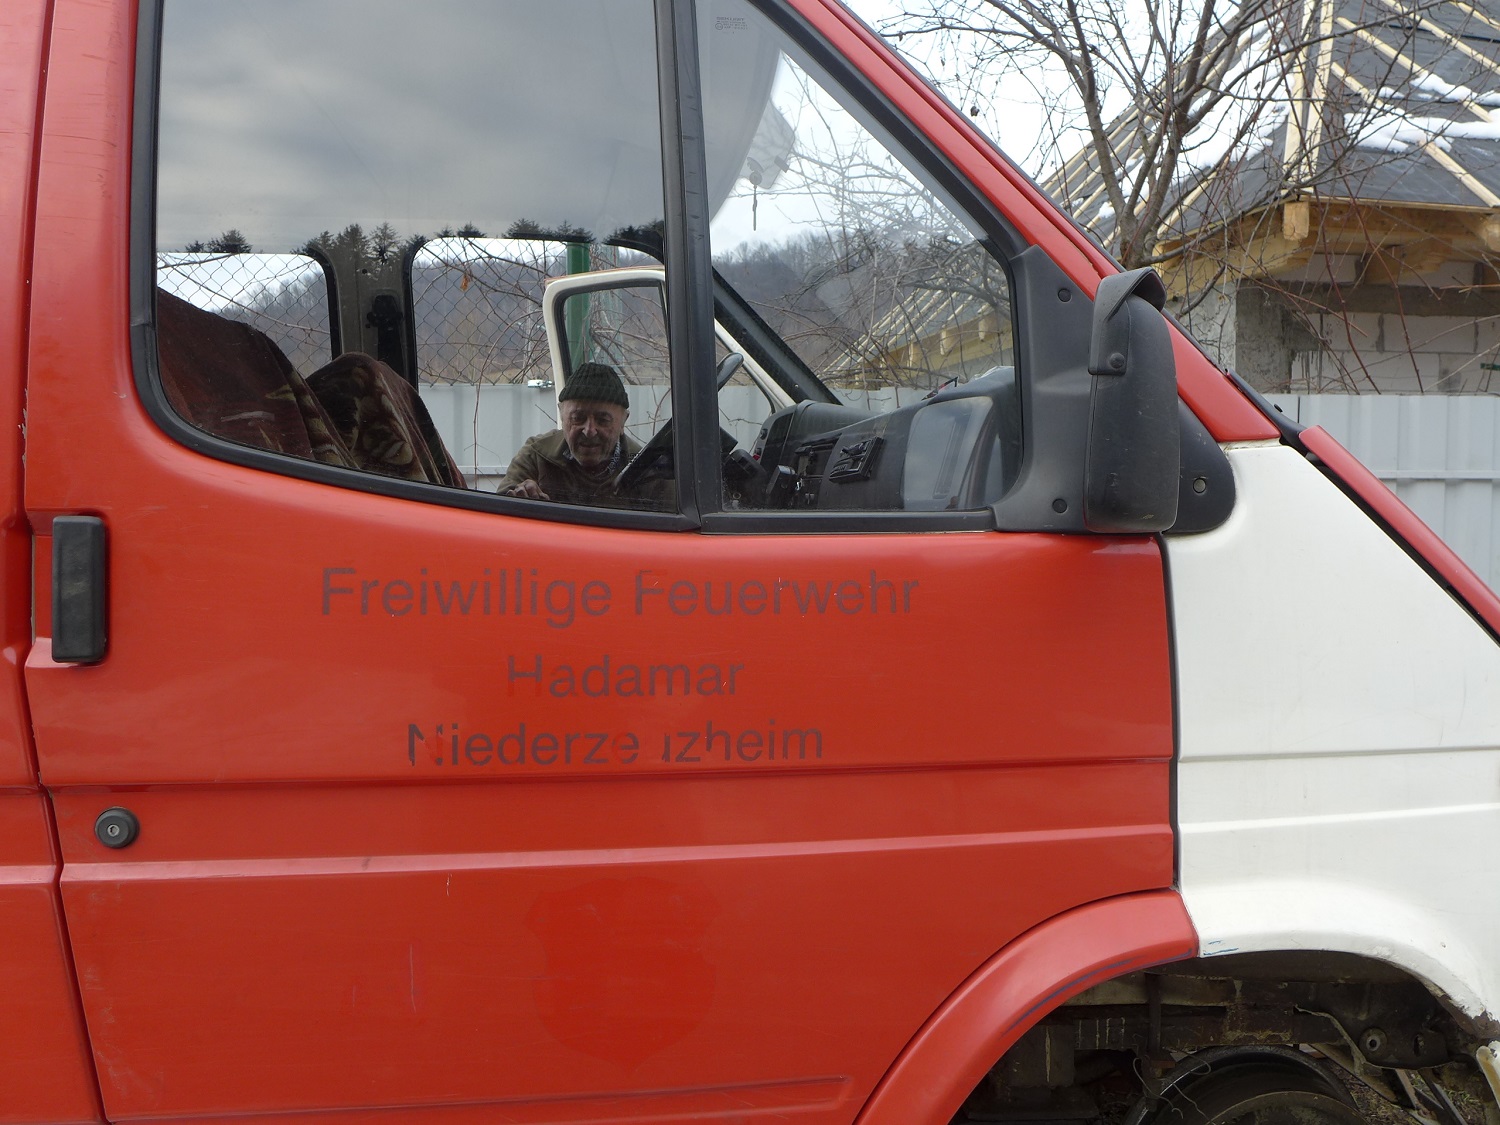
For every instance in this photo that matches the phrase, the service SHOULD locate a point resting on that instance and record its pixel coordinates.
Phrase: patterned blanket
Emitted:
(232, 381)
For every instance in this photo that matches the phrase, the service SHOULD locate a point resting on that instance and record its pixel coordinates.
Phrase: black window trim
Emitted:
(689, 280)
(143, 346)
(997, 236)
(843, 522)
(689, 295)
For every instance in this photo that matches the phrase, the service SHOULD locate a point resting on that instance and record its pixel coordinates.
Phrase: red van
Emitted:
(951, 698)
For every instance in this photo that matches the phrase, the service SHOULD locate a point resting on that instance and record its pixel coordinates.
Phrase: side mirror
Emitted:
(1131, 472)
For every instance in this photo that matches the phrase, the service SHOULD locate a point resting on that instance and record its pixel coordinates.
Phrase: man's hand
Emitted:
(528, 489)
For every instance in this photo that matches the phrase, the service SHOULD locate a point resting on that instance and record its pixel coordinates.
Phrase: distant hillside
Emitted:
(478, 317)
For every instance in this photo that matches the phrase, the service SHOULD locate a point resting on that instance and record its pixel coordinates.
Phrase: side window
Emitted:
(407, 273)
(874, 286)
(501, 325)
(358, 261)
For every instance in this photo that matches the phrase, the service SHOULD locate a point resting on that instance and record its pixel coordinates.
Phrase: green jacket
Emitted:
(546, 460)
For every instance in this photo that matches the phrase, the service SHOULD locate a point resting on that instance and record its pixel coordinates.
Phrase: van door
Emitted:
(388, 793)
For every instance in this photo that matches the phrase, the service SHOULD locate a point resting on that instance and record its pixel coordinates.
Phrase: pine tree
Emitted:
(230, 242)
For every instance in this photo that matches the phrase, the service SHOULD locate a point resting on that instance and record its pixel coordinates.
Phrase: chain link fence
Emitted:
(477, 310)
(283, 295)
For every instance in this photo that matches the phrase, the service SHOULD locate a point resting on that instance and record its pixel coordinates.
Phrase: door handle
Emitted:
(79, 583)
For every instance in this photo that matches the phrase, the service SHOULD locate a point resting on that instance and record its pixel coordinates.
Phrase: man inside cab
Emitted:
(578, 463)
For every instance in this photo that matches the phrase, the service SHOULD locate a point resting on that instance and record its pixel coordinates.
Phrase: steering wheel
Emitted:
(635, 469)
(661, 441)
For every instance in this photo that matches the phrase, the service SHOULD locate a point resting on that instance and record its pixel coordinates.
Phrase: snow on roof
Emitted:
(1399, 101)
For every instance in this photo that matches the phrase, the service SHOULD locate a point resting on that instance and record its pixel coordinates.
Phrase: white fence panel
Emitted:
(1439, 453)
(483, 426)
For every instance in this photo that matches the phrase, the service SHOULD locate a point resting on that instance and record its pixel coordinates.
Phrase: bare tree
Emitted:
(865, 273)
(1159, 97)
(1275, 142)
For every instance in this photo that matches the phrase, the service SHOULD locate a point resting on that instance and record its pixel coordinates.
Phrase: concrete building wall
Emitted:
(1371, 340)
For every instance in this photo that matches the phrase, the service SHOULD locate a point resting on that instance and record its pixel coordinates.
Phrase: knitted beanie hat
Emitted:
(595, 382)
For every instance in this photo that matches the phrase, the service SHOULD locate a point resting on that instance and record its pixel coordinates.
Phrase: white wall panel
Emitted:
(1439, 453)
(483, 426)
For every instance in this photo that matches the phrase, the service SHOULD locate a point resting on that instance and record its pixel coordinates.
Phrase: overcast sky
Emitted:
(1008, 108)
(286, 118)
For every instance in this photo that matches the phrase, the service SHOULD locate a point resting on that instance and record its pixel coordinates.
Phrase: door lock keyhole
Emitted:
(117, 828)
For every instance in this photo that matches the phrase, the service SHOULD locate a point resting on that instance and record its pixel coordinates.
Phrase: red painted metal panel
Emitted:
(23, 33)
(546, 942)
(988, 640)
(45, 1071)
(1218, 403)
(1020, 985)
(334, 903)
(1467, 586)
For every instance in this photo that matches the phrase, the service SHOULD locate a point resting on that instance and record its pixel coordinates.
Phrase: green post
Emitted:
(578, 307)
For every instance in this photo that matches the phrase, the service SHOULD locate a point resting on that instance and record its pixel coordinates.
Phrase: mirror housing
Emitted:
(1133, 460)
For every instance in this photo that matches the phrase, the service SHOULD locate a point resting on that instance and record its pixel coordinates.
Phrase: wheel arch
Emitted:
(1020, 984)
(1310, 917)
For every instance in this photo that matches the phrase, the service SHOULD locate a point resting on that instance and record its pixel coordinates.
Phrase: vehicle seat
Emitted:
(232, 381)
(382, 421)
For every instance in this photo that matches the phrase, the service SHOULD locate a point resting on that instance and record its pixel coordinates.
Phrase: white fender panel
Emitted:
(1338, 782)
